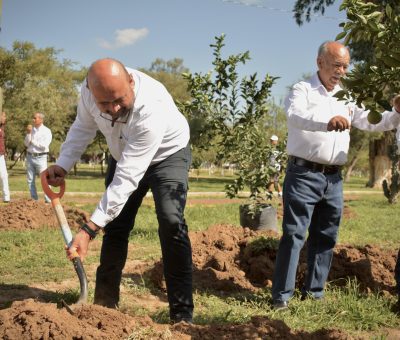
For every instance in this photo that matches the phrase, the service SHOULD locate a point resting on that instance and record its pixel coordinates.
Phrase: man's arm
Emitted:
(390, 119)
(144, 141)
(298, 113)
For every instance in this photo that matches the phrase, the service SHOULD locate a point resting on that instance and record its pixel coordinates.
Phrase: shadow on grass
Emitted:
(10, 293)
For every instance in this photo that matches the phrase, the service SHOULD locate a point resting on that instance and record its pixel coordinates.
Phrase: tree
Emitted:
(371, 32)
(373, 81)
(235, 110)
(34, 80)
(303, 8)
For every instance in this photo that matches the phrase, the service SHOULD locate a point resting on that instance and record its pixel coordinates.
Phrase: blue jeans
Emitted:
(34, 166)
(313, 201)
(168, 181)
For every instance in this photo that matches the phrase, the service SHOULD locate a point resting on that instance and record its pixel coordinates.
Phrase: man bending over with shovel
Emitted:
(148, 137)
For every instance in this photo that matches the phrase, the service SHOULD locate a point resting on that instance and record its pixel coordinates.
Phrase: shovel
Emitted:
(66, 231)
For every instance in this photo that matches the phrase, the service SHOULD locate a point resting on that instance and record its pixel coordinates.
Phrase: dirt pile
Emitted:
(228, 258)
(257, 328)
(30, 214)
(35, 320)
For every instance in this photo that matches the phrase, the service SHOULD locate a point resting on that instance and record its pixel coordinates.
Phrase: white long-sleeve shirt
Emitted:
(38, 141)
(155, 129)
(309, 108)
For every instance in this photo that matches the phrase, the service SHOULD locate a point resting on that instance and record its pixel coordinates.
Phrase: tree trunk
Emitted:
(379, 160)
(353, 162)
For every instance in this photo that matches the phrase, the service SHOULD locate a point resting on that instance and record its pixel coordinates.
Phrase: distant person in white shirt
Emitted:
(274, 162)
(3, 167)
(37, 142)
(148, 137)
(318, 143)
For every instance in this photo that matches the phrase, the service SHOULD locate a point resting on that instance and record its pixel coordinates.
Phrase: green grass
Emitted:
(375, 221)
(90, 179)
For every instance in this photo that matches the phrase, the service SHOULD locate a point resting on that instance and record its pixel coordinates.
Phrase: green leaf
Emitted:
(389, 11)
(341, 35)
(390, 61)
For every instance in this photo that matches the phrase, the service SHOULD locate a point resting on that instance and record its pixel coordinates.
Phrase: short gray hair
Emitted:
(323, 48)
(40, 114)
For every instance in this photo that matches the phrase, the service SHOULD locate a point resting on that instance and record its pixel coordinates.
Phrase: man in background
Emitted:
(273, 161)
(3, 168)
(318, 143)
(37, 141)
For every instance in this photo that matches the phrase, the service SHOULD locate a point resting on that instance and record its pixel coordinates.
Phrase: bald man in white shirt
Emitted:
(148, 137)
(318, 143)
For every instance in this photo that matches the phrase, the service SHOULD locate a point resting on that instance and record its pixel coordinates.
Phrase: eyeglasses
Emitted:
(120, 119)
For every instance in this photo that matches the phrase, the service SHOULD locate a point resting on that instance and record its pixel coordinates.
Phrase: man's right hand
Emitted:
(29, 129)
(338, 123)
(56, 175)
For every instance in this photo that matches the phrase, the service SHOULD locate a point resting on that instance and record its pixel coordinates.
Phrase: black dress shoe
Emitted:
(309, 296)
(280, 305)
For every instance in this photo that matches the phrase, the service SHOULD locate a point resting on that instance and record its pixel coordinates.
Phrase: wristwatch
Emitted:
(92, 233)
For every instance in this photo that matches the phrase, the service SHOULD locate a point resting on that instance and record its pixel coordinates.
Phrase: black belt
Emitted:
(316, 167)
(35, 154)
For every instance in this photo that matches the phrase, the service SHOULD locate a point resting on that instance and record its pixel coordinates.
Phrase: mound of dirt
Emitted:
(30, 214)
(225, 259)
(35, 320)
(257, 328)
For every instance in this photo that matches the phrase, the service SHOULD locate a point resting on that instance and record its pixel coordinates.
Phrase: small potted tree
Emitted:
(234, 111)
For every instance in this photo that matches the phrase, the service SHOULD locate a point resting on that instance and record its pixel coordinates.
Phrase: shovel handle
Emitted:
(47, 190)
(66, 231)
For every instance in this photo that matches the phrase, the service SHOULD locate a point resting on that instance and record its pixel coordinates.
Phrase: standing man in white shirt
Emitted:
(37, 142)
(318, 143)
(273, 161)
(3, 167)
(148, 137)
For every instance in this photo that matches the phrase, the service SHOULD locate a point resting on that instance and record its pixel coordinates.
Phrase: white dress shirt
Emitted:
(155, 129)
(309, 108)
(38, 141)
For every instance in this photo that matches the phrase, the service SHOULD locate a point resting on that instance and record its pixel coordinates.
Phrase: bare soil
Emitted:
(226, 260)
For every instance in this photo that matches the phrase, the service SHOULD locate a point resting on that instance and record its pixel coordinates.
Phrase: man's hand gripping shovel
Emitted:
(66, 231)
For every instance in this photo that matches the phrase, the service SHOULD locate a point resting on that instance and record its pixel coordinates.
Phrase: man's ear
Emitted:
(319, 62)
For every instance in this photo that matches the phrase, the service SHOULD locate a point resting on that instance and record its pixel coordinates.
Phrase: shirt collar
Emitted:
(316, 84)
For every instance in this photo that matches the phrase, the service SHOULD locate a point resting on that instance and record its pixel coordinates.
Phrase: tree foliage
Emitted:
(374, 81)
(303, 9)
(34, 80)
(234, 111)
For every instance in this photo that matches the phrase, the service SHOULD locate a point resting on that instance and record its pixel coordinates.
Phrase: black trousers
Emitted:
(168, 181)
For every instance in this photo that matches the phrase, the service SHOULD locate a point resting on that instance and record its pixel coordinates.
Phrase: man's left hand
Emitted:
(338, 123)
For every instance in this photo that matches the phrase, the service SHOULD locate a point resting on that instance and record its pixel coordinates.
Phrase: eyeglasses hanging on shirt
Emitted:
(121, 118)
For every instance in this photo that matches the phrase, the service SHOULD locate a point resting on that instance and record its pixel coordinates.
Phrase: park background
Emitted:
(45, 51)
